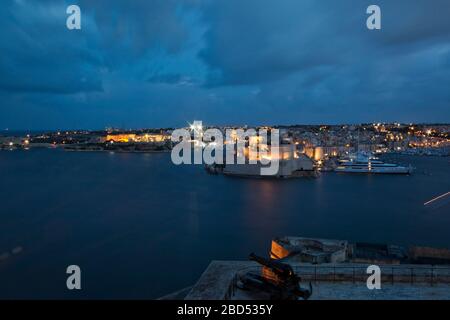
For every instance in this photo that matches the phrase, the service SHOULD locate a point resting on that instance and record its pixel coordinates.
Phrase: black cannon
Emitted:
(277, 279)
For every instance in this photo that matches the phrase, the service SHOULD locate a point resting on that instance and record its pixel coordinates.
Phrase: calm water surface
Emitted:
(141, 227)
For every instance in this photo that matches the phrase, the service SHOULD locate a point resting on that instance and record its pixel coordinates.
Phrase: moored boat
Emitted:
(362, 163)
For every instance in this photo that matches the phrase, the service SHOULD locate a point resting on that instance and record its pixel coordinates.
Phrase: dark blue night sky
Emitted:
(161, 63)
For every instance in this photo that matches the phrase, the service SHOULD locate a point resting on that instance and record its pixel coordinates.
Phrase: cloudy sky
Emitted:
(161, 63)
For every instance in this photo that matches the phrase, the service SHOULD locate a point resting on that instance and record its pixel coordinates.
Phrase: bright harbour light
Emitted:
(196, 126)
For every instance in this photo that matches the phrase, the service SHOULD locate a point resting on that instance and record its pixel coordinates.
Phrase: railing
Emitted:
(392, 274)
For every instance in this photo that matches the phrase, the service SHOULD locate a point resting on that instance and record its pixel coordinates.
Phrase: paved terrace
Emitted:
(331, 281)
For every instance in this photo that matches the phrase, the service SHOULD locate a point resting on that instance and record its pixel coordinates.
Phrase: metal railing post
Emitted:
(354, 280)
(432, 274)
(315, 274)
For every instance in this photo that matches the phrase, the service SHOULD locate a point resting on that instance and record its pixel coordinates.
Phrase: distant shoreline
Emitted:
(119, 151)
(82, 150)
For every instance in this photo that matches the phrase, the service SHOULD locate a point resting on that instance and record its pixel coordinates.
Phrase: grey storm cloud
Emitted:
(170, 61)
(40, 55)
(254, 41)
(318, 59)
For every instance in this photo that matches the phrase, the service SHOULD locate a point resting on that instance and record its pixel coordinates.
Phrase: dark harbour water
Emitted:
(140, 227)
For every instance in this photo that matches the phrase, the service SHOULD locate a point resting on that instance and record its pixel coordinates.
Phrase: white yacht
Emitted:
(362, 163)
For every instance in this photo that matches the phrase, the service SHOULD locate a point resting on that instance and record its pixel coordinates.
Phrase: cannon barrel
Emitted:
(279, 268)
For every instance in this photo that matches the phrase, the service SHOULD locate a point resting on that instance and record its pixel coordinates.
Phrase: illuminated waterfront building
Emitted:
(144, 138)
